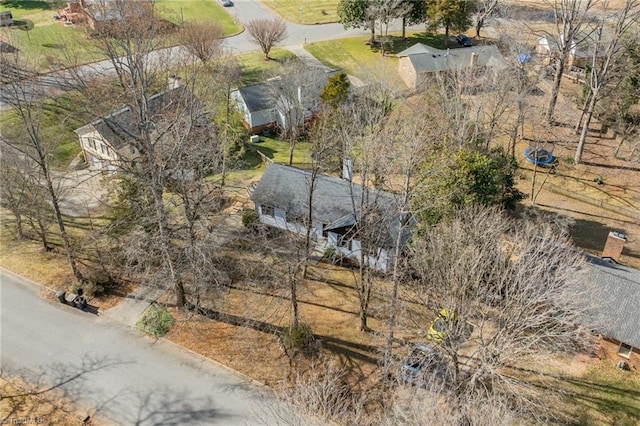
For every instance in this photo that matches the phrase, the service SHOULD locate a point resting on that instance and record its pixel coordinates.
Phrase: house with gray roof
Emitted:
(418, 63)
(282, 100)
(107, 142)
(339, 217)
(619, 309)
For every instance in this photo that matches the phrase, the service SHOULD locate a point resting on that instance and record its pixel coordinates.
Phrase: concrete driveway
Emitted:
(121, 376)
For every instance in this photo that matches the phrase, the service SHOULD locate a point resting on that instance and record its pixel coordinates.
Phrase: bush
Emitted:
(155, 321)
(569, 160)
(330, 255)
(250, 219)
(299, 338)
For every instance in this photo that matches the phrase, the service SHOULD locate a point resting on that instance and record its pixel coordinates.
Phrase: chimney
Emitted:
(614, 245)
(474, 59)
(173, 82)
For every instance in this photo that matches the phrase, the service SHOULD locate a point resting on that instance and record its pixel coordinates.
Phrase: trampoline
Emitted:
(539, 156)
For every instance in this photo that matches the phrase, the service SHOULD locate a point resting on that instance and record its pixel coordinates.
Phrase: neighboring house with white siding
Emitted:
(281, 200)
(106, 142)
(281, 99)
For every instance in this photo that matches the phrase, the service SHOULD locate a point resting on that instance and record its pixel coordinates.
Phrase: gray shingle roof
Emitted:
(455, 59)
(123, 121)
(257, 97)
(418, 48)
(333, 199)
(620, 308)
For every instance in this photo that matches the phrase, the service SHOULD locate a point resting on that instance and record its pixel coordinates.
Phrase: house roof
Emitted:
(455, 59)
(418, 48)
(118, 127)
(256, 97)
(287, 188)
(265, 96)
(620, 307)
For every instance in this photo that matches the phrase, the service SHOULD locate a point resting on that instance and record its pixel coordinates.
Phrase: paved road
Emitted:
(243, 11)
(127, 379)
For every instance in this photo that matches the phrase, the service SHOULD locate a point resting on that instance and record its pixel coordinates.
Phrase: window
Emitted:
(91, 143)
(266, 210)
(104, 149)
(294, 218)
(624, 350)
(344, 241)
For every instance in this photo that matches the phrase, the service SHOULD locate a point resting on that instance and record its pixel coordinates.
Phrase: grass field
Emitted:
(178, 11)
(305, 11)
(59, 120)
(358, 58)
(255, 69)
(51, 45)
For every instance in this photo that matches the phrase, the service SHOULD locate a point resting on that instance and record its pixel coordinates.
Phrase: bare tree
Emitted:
(28, 102)
(514, 294)
(570, 19)
(607, 52)
(484, 11)
(172, 146)
(296, 95)
(267, 33)
(204, 40)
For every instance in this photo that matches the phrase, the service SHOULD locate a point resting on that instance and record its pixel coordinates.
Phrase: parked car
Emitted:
(463, 40)
(226, 3)
(439, 329)
(419, 360)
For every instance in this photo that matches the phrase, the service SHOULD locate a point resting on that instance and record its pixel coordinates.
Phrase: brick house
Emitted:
(419, 63)
(619, 310)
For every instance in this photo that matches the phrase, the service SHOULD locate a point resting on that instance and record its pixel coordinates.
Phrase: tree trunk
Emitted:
(294, 296)
(446, 36)
(292, 146)
(479, 25)
(404, 27)
(19, 228)
(582, 113)
(585, 127)
(555, 90)
(373, 32)
(61, 226)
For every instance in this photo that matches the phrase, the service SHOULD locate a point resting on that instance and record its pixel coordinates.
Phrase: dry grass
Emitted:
(42, 409)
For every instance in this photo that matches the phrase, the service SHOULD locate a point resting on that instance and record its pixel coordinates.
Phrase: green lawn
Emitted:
(60, 119)
(256, 70)
(305, 11)
(278, 151)
(178, 11)
(357, 57)
(604, 395)
(50, 45)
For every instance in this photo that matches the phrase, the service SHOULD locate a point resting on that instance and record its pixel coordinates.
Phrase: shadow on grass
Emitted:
(396, 44)
(27, 4)
(349, 349)
(618, 402)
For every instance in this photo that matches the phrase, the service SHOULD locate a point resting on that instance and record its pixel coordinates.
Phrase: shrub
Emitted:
(298, 338)
(250, 219)
(330, 255)
(155, 321)
(570, 160)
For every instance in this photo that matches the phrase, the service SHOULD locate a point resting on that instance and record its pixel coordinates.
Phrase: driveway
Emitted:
(121, 376)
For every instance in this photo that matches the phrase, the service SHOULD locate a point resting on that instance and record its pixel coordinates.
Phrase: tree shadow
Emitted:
(396, 44)
(31, 4)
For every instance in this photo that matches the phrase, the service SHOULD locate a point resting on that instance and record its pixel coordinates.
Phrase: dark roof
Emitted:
(287, 188)
(454, 59)
(256, 97)
(620, 307)
(116, 127)
(263, 96)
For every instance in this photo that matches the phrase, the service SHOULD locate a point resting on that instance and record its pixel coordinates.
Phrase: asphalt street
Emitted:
(243, 11)
(116, 374)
